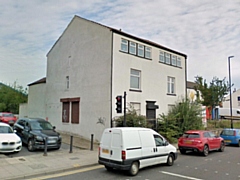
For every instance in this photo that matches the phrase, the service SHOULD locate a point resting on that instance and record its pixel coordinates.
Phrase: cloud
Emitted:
(206, 31)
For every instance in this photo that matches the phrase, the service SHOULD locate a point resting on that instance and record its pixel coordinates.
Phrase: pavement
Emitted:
(82, 154)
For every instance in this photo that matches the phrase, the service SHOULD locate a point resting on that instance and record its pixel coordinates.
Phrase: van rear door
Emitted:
(111, 144)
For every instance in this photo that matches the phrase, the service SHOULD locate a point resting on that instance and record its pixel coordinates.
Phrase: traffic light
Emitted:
(119, 104)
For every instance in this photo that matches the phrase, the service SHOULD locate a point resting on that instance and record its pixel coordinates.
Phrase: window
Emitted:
(158, 140)
(132, 49)
(174, 60)
(161, 57)
(136, 107)
(124, 45)
(135, 79)
(167, 58)
(67, 80)
(140, 50)
(170, 107)
(179, 61)
(70, 110)
(148, 52)
(171, 85)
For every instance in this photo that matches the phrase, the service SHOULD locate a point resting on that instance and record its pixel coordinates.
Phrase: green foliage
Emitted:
(211, 94)
(11, 97)
(182, 117)
(213, 124)
(132, 119)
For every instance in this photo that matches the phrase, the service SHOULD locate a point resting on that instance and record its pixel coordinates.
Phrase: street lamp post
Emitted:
(230, 84)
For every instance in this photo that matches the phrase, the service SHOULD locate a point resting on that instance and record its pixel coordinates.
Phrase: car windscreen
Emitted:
(5, 129)
(227, 132)
(7, 115)
(41, 125)
(191, 135)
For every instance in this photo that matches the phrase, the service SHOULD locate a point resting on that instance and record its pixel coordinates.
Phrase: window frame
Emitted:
(148, 50)
(161, 57)
(174, 59)
(132, 46)
(167, 58)
(138, 79)
(140, 50)
(179, 61)
(124, 44)
(171, 87)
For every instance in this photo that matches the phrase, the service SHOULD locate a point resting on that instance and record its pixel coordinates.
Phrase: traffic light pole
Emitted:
(124, 108)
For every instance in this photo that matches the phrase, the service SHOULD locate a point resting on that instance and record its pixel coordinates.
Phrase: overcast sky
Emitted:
(207, 31)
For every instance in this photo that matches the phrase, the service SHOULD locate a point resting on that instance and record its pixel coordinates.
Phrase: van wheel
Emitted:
(134, 168)
(108, 168)
(170, 160)
(205, 150)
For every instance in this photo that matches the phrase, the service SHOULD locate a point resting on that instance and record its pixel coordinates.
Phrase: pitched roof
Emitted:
(127, 35)
(40, 81)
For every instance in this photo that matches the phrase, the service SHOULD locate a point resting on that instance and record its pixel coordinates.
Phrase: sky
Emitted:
(208, 32)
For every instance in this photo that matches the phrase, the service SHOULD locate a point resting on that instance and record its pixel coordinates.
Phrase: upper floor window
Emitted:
(124, 45)
(132, 49)
(174, 60)
(167, 58)
(179, 61)
(171, 85)
(148, 52)
(140, 50)
(161, 56)
(135, 79)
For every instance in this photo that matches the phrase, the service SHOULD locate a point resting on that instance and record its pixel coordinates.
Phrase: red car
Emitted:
(200, 141)
(8, 118)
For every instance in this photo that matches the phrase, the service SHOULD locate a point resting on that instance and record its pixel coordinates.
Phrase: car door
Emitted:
(25, 132)
(215, 140)
(209, 140)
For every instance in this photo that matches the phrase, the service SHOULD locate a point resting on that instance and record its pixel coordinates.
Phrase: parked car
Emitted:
(200, 141)
(35, 131)
(132, 149)
(9, 141)
(231, 136)
(7, 117)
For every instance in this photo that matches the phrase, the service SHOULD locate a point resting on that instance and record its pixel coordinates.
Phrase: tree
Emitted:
(11, 97)
(185, 115)
(213, 94)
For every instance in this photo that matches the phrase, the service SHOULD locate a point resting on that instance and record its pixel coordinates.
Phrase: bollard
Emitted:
(71, 144)
(91, 142)
(45, 147)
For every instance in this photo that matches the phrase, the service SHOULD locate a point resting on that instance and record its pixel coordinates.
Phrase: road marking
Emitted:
(178, 175)
(68, 173)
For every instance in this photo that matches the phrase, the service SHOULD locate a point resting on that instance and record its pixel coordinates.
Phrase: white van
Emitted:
(224, 113)
(133, 148)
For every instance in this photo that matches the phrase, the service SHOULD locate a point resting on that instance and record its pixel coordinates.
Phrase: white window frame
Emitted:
(148, 52)
(124, 45)
(161, 57)
(179, 61)
(140, 50)
(135, 75)
(171, 85)
(167, 58)
(132, 48)
(174, 60)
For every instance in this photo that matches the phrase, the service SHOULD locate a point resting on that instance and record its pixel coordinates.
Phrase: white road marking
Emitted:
(179, 175)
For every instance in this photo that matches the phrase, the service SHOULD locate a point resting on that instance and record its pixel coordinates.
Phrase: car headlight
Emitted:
(19, 142)
(39, 138)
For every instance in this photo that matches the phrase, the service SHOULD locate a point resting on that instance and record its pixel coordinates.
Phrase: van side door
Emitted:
(161, 149)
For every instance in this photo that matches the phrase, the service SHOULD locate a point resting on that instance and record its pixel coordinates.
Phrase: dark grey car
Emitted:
(35, 131)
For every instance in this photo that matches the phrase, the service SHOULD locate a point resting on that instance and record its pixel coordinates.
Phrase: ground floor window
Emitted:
(70, 110)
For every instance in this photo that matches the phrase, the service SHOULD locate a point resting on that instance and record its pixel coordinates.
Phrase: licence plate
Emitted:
(106, 151)
(227, 141)
(188, 142)
(51, 141)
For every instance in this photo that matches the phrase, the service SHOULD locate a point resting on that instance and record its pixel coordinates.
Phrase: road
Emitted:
(217, 165)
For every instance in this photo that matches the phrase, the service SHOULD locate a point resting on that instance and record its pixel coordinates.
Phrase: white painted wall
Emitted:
(153, 78)
(83, 53)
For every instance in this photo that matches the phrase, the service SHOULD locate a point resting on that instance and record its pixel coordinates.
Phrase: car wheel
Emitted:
(134, 169)
(30, 145)
(170, 160)
(222, 146)
(205, 150)
(238, 143)
(182, 151)
(108, 168)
